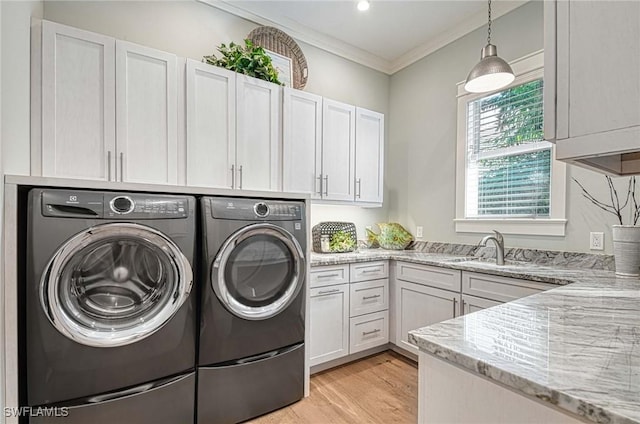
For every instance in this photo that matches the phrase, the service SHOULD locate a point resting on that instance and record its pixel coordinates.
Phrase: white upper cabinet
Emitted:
(592, 83)
(302, 142)
(258, 134)
(211, 125)
(102, 108)
(73, 103)
(332, 150)
(338, 150)
(369, 156)
(146, 114)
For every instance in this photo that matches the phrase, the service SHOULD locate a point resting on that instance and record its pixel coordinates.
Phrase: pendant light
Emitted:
(492, 72)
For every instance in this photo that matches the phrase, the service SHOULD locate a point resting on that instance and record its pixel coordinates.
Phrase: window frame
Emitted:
(526, 69)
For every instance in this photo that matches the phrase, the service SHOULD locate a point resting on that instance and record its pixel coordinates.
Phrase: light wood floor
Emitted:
(378, 389)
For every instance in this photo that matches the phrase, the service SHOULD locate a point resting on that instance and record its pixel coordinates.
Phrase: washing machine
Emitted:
(110, 317)
(251, 348)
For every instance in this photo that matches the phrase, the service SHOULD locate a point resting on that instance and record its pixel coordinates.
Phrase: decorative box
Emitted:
(334, 237)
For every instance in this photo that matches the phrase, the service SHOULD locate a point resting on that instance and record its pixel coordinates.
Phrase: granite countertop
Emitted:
(576, 346)
(552, 274)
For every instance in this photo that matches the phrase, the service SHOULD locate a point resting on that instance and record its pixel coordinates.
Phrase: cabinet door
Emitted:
(472, 304)
(258, 134)
(419, 306)
(301, 142)
(211, 125)
(77, 104)
(146, 111)
(604, 88)
(369, 156)
(338, 150)
(329, 323)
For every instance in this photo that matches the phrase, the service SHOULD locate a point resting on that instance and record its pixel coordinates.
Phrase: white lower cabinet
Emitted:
(347, 318)
(355, 307)
(419, 306)
(329, 323)
(424, 295)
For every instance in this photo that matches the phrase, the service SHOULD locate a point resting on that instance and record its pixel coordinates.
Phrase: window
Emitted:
(507, 177)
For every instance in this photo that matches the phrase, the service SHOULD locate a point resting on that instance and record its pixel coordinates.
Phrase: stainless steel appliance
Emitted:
(251, 352)
(110, 327)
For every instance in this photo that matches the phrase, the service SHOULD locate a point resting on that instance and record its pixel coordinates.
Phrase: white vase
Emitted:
(626, 250)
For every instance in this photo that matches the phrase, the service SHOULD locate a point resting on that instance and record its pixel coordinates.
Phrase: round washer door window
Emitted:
(258, 271)
(115, 284)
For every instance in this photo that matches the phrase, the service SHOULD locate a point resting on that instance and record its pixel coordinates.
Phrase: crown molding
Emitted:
(358, 55)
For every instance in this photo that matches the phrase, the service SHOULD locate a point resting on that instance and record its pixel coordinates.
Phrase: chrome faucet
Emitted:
(499, 242)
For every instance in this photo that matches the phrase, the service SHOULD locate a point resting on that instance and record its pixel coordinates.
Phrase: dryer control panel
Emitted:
(92, 204)
(256, 209)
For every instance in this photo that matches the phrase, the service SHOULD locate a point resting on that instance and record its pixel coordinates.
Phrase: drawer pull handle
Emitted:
(328, 275)
(366, 271)
(329, 291)
(370, 297)
(454, 307)
(366, 333)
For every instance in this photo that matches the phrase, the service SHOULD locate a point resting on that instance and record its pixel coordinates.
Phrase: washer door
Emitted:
(115, 284)
(258, 271)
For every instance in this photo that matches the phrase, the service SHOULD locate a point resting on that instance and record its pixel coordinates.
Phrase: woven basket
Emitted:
(329, 229)
(279, 42)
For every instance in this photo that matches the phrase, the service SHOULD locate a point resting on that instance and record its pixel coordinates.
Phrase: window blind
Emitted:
(508, 162)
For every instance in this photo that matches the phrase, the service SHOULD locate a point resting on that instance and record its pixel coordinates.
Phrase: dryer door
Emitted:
(258, 271)
(115, 284)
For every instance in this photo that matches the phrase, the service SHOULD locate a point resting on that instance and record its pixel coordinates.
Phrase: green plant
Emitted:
(341, 241)
(249, 59)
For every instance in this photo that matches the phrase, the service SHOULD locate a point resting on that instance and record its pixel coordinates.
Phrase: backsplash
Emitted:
(534, 256)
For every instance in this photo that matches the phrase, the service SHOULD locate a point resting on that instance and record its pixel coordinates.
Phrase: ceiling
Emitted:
(391, 35)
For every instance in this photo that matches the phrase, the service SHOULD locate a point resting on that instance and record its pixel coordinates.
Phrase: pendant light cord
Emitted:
(489, 31)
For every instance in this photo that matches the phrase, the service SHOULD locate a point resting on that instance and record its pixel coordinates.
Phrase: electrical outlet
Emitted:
(418, 232)
(596, 241)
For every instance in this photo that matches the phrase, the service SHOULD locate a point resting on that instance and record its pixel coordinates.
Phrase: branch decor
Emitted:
(249, 59)
(614, 207)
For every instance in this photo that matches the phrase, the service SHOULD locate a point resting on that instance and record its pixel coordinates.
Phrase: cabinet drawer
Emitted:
(502, 289)
(368, 331)
(329, 275)
(369, 296)
(369, 271)
(442, 278)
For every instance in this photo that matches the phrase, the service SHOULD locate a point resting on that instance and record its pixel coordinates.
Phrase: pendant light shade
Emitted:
(492, 72)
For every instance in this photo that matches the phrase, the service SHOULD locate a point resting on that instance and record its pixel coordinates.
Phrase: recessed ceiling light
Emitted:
(363, 5)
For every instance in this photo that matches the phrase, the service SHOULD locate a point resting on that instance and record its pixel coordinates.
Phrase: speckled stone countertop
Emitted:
(576, 346)
(553, 274)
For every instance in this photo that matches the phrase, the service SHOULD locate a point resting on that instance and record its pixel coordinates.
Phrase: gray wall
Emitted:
(422, 146)
(192, 29)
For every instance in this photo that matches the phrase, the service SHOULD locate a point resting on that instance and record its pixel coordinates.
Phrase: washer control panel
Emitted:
(140, 206)
(93, 204)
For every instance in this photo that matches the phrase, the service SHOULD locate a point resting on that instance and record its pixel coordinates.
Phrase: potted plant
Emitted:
(626, 238)
(249, 59)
